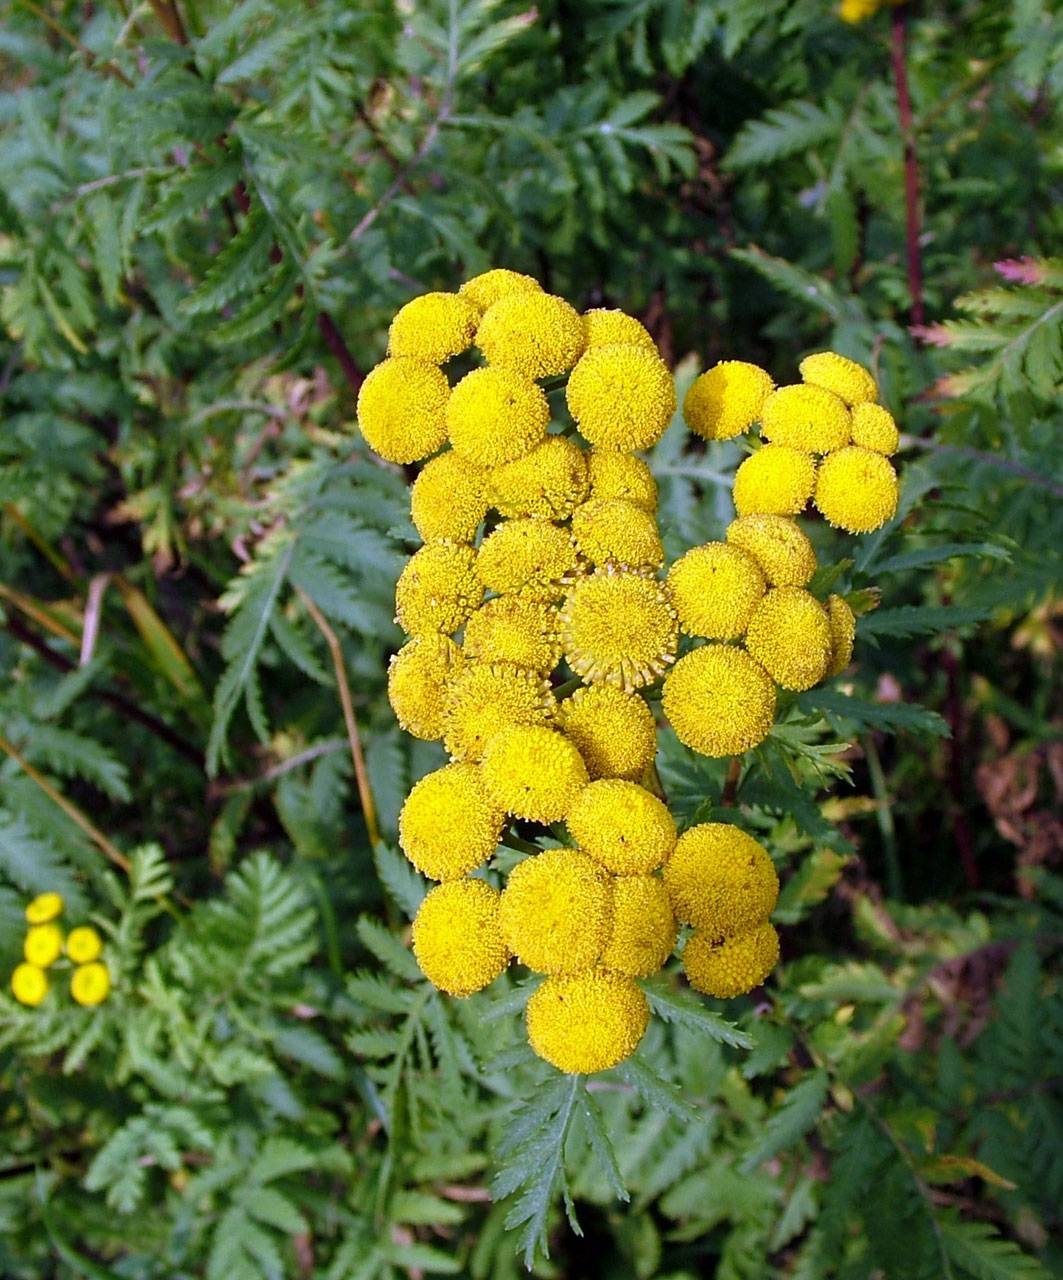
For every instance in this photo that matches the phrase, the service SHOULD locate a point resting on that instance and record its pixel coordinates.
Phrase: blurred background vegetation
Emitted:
(209, 212)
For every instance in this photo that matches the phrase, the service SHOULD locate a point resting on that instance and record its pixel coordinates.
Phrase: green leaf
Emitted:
(798, 1112)
(657, 1091)
(917, 620)
(378, 939)
(687, 1011)
(983, 1253)
(405, 887)
(783, 131)
(847, 712)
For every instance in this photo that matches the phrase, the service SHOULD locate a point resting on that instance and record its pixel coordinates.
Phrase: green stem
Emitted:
(512, 841)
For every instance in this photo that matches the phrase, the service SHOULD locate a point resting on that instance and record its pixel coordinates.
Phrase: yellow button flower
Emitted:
(551, 481)
(29, 984)
(402, 409)
(535, 334)
(720, 702)
(43, 945)
(433, 327)
(644, 928)
(779, 545)
(90, 983)
(621, 475)
(720, 879)
(613, 730)
(875, 429)
(84, 944)
(856, 490)
(418, 677)
(726, 400)
(622, 397)
(842, 634)
(789, 635)
(556, 911)
(606, 328)
(732, 966)
(438, 589)
(617, 532)
(587, 1022)
(486, 697)
(618, 627)
(622, 826)
(457, 937)
(45, 907)
(715, 588)
(848, 380)
(528, 555)
(806, 417)
(496, 415)
(776, 480)
(515, 629)
(484, 290)
(533, 772)
(449, 499)
(448, 826)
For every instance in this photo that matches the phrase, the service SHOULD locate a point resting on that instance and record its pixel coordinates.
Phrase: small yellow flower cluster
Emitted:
(44, 945)
(860, 10)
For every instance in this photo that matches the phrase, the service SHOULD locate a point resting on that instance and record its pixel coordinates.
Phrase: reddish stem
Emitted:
(911, 167)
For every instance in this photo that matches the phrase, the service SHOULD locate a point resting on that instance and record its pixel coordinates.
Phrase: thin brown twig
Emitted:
(91, 61)
(171, 20)
(730, 786)
(911, 166)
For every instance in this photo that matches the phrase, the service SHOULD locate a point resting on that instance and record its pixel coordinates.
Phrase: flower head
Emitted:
(457, 937)
(43, 945)
(529, 555)
(495, 415)
(622, 397)
(438, 589)
(622, 826)
(730, 967)
(726, 400)
(537, 335)
(855, 11)
(533, 772)
(806, 417)
(842, 634)
(486, 697)
(856, 490)
(779, 545)
(448, 826)
(449, 499)
(618, 627)
(875, 429)
(515, 629)
(715, 589)
(433, 327)
(776, 480)
(418, 676)
(484, 290)
(90, 983)
(29, 984)
(45, 907)
(789, 635)
(402, 409)
(551, 481)
(617, 532)
(84, 944)
(720, 879)
(614, 731)
(644, 927)
(586, 1022)
(848, 380)
(621, 475)
(605, 328)
(719, 700)
(557, 911)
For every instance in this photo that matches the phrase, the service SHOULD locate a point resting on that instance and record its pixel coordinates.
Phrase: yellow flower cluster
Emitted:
(45, 944)
(538, 611)
(860, 10)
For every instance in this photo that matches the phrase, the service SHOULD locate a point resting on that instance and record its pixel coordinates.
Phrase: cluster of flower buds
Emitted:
(45, 945)
(541, 547)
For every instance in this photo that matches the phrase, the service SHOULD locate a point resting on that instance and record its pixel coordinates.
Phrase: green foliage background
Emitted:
(209, 213)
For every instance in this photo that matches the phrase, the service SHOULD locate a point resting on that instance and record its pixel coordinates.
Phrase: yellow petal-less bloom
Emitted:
(529, 555)
(806, 417)
(789, 635)
(874, 428)
(84, 944)
(603, 327)
(537, 335)
(618, 627)
(776, 480)
(720, 879)
(418, 676)
(715, 588)
(438, 589)
(856, 490)
(732, 966)
(727, 399)
(587, 1022)
(719, 700)
(402, 408)
(45, 907)
(449, 499)
(848, 380)
(614, 731)
(858, 10)
(621, 475)
(515, 629)
(842, 634)
(617, 532)
(448, 826)
(551, 481)
(43, 945)
(557, 911)
(779, 545)
(484, 290)
(622, 397)
(29, 984)
(495, 415)
(433, 327)
(486, 697)
(90, 983)
(457, 937)
(533, 772)
(622, 826)
(644, 927)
